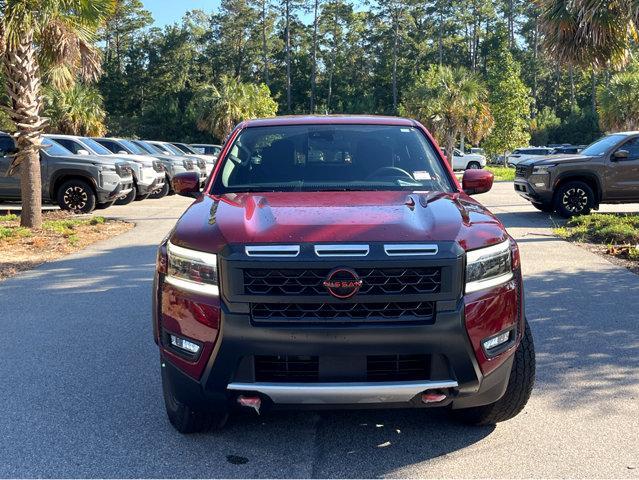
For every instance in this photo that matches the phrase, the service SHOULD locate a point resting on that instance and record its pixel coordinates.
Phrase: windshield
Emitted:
(169, 148)
(55, 149)
(331, 157)
(132, 147)
(602, 145)
(95, 146)
(146, 147)
(184, 148)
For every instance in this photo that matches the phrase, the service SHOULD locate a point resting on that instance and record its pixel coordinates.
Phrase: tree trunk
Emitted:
(23, 88)
(314, 58)
(333, 60)
(395, 45)
(571, 74)
(593, 92)
(264, 44)
(450, 147)
(288, 55)
(535, 59)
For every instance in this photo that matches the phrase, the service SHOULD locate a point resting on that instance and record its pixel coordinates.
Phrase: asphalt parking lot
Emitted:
(81, 393)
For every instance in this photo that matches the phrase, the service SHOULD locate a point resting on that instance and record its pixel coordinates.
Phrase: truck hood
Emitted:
(308, 217)
(555, 160)
(143, 159)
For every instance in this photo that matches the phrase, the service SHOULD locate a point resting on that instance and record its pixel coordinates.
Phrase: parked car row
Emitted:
(82, 173)
(522, 154)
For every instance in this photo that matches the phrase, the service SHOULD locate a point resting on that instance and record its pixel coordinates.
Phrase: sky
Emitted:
(169, 11)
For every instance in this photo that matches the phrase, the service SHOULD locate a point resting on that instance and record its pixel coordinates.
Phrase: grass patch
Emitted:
(502, 174)
(61, 233)
(619, 233)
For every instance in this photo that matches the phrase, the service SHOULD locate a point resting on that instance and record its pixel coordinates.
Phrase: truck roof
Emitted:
(329, 120)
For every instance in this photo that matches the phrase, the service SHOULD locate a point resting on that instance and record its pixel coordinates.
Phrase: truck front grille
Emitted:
(286, 368)
(394, 368)
(376, 281)
(523, 171)
(325, 313)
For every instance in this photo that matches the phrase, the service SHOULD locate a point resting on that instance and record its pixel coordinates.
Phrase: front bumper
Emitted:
(227, 365)
(531, 192)
(154, 186)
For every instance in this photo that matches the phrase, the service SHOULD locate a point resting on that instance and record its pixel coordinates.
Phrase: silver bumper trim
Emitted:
(342, 393)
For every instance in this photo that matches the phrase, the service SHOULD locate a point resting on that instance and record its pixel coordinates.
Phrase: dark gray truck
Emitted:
(77, 183)
(607, 171)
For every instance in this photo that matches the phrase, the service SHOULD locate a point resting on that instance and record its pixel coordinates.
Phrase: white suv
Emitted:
(467, 161)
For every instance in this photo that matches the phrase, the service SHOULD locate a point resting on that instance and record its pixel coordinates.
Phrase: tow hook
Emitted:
(252, 402)
(433, 397)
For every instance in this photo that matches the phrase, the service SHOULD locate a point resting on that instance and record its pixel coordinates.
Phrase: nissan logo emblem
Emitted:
(343, 283)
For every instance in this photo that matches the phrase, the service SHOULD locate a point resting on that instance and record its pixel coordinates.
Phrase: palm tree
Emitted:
(588, 33)
(50, 39)
(450, 102)
(222, 108)
(76, 111)
(618, 102)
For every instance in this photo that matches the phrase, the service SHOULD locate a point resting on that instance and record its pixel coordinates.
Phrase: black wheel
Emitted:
(184, 418)
(473, 166)
(544, 207)
(139, 198)
(574, 198)
(129, 197)
(163, 192)
(520, 385)
(76, 196)
(103, 205)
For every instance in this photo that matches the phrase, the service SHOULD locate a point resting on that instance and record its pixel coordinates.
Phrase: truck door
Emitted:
(9, 185)
(622, 175)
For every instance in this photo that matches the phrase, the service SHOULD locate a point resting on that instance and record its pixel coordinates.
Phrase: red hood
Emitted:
(298, 217)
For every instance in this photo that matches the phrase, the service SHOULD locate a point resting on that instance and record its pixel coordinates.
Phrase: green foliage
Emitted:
(509, 102)
(220, 109)
(602, 228)
(450, 102)
(77, 111)
(541, 126)
(618, 102)
(502, 174)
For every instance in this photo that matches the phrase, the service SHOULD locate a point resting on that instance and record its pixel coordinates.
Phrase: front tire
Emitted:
(574, 198)
(76, 196)
(473, 166)
(163, 192)
(520, 385)
(129, 197)
(185, 419)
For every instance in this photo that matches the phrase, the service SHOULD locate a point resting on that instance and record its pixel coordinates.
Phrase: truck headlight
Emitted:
(488, 267)
(541, 170)
(192, 270)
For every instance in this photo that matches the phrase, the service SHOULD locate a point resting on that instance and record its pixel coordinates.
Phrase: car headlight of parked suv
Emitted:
(541, 170)
(488, 267)
(192, 270)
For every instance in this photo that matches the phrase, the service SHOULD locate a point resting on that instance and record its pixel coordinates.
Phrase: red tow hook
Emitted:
(433, 397)
(252, 402)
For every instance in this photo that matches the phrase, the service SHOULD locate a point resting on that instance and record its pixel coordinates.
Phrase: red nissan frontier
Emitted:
(336, 262)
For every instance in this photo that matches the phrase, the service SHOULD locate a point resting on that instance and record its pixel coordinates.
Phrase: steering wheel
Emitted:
(396, 170)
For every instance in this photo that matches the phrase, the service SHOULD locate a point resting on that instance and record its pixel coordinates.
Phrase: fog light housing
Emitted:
(498, 343)
(184, 344)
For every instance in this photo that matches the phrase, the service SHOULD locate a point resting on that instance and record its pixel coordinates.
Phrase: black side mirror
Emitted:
(620, 155)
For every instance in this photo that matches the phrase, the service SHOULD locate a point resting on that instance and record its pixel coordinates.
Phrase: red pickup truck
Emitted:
(335, 261)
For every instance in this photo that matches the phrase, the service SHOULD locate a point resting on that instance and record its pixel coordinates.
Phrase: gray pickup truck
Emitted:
(78, 183)
(148, 173)
(607, 171)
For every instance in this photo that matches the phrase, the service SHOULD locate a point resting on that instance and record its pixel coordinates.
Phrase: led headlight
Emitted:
(541, 170)
(192, 270)
(488, 267)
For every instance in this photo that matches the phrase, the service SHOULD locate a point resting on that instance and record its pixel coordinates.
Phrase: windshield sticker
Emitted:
(421, 175)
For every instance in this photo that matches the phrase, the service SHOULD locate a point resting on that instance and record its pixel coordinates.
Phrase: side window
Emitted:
(6, 145)
(69, 144)
(110, 145)
(633, 148)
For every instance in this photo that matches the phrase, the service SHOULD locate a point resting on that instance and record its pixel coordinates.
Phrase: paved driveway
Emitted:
(80, 392)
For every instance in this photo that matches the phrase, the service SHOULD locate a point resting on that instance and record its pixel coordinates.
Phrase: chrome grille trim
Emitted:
(272, 251)
(407, 249)
(337, 250)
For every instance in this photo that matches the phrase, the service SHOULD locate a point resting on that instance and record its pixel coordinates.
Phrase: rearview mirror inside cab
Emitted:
(477, 181)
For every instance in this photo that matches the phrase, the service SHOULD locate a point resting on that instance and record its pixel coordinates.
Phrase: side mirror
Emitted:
(82, 151)
(122, 152)
(620, 155)
(477, 181)
(187, 184)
